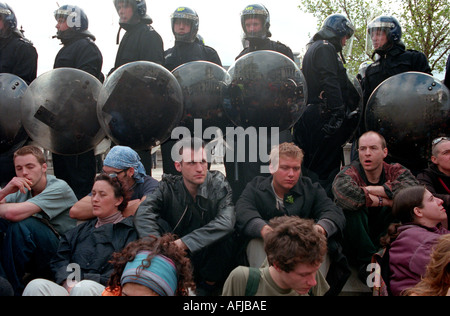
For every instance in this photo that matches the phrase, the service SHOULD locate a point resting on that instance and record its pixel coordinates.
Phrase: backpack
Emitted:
(253, 282)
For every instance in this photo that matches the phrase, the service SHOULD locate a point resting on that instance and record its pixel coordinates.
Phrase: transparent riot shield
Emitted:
(267, 89)
(12, 133)
(140, 104)
(59, 111)
(204, 86)
(409, 110)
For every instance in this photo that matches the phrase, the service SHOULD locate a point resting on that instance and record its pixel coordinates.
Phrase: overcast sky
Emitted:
(219, 25)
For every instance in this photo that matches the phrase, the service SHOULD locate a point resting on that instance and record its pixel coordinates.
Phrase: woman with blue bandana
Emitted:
(151, 267)
(125, 164)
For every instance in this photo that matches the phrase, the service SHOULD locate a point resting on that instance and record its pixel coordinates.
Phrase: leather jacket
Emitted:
(200, 222)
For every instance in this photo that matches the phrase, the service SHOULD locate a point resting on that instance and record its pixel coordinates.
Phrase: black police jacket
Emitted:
(183, 53)
(266, 44)
(80, 52)
(18, 56)
(392, 62)
(140, 43)
(325, 75)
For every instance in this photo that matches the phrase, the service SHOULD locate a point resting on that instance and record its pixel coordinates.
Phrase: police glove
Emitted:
(334, 123)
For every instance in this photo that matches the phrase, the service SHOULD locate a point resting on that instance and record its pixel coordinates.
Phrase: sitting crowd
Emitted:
(133, 236)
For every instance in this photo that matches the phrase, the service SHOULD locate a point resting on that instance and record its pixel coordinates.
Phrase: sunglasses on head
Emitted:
(439, 139)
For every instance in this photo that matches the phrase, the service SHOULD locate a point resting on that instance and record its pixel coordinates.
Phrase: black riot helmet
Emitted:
(76, 18)
(256, 11)
(9, 19)
(139, 9)
(339, 25)
(190, 16)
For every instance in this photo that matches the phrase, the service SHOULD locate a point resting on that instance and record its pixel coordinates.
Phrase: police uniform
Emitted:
(391, 62)
(79, 52)
(18, 56)
(318, 132)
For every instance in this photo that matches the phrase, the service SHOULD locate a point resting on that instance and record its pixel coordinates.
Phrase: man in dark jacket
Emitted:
(437, 176)
(141, 42)
(17, 54)
(287, 193)
(196, 206)
(390, 55)
(79, 51)
(255, 20)
(188, 48)
(323, 129)
(18, 57)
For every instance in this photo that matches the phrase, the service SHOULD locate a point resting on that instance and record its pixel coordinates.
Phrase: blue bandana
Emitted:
(161, 276)
(121, 157)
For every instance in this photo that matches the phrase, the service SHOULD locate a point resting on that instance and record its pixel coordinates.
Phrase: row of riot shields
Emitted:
(68, 111)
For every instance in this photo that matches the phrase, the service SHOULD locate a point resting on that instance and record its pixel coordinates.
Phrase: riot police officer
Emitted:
(255, 21)
(141, 42)
(18, 56)
(185, 25)
(323, 129)
(389, 54)
(391, 58)
(79, 51)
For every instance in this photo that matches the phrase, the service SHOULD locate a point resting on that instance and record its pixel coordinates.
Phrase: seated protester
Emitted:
(365, 189)
(436, 281)
(151, 267)
(88, 247)
(34, 213)
(285, 192)
(295, 250)
(411, 243)
(196, 206)
(437, 176)
(124, 163)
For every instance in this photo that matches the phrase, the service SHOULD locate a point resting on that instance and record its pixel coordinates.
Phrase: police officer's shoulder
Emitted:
(25, 41)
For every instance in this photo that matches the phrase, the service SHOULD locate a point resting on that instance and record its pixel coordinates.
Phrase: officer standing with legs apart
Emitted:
(79, 51)
(323, 129)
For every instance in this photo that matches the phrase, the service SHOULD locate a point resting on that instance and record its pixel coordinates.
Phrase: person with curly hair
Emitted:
(151, 267)
(295, 250)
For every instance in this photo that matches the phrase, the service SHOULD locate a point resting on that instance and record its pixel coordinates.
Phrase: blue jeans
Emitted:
(27, 247)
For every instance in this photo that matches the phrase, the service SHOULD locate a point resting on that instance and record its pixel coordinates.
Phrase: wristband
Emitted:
(380, 199)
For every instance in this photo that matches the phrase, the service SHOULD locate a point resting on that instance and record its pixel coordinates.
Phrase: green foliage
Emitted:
(425, 25)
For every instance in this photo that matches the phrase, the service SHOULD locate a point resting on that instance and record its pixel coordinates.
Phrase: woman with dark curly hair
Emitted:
(151, 267)
(81, 265)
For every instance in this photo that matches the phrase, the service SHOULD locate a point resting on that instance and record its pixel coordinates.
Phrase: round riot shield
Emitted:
(204, 86)
(267, 89)
(59, 111)
(409, 110)
(140, 104)
(12, 133)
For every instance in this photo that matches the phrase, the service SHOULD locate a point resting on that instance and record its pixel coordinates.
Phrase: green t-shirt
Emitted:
(237, 283)
(55, 202)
